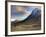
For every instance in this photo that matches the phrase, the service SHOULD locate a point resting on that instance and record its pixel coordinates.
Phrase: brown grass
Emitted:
(26, 26)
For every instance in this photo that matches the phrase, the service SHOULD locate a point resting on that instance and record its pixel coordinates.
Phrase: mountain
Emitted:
(33, 18)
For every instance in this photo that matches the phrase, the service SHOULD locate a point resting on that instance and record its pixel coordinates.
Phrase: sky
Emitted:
(23, 14)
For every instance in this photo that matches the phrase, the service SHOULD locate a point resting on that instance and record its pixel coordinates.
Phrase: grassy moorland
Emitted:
(26, 25)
